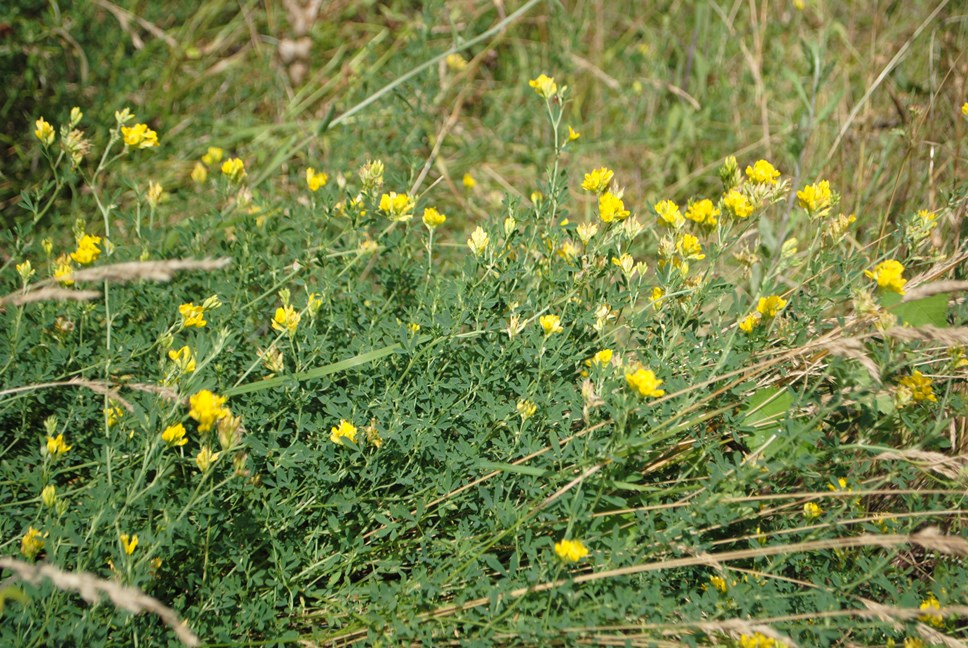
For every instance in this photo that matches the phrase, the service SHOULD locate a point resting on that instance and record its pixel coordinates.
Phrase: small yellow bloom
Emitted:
(703, 212)
(205, 458)
(586, 231)
(812, 510)
(571, 550)
(888, 275)
(718, 582)
(413, 328)
(25, 270)
(154, 193)
(174, 435)
(456, 62)
(688, 247)
(433, 218)
(398, 207)
(601, 359)
(212, 156)
(598, 181)
(87, 249)
(747, 324)
(918, 387)
(63, 271)
(32, 543)
(478, 241)
(526, 409)
(129, 543)
(770, 306)
(626, 263)
(759, 640)
(737, 204)
(544, 85)
(192, 315)
(199, 173)
(573, 134)
(656, 296)
(551, 324)
(315, 179)
(964, 109)
(206, 408)
(114, 415)
(56, 446)
(930, 607)
(49, 495)
(345, 430)
(645, 383)
(816, 198)
(234, 169)
(568, 251)
(44, 131)
(286, 319)
(669, 214)
(468, 181)
(611, 208)
(139, 136)
(183, 358)
(762, 172)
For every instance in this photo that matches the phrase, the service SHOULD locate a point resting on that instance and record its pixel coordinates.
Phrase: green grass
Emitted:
(711, 504)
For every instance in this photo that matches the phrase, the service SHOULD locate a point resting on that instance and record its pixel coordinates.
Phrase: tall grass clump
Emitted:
(277, 392)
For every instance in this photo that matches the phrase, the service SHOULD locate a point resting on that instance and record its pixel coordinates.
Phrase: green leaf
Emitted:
(922, 312)
(511, 468)
(767, 406)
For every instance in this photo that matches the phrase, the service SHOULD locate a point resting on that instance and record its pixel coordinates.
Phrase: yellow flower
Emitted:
(737, 204)
(913, 642)
(544, 85)
(718, 582)
(656, 296)
(688, 247)
(234, 169)
(626, 263)
(199, 173)
(49, 495)
(32, 543)
(212, 156)
(154, 193)
(812, 510)
(747, 323)
(345, 430)
(759, 640)
(63, 271)
(703, 212)
(174, 435)
(598, 181)
(286, 319)
(568, 251)
(669, 214)
(888, 275)
(183, 358)
(611, 208)
(762, 172)
(571, 550)
(573, 134)
(586, 231)
(837, 227)
(413, 328)
(526, 409)
(964, 109)
(816, 198)
(456, 62)
(139, 136)
(433, 218)
(645, 383)
(87, 249)
(478, 241)
(918, 387)
(551, 324)
(56, 446)
(770, 306)
(25, 270)
(206, 409)
(205, 458)
(398, 207)
(600, 359)
(315, 179)
(114, 415)
(468, 181)
(192, 315)
(930, 607)
(128, 543)
(44, 131)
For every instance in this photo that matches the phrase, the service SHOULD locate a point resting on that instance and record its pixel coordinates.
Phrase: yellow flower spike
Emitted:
(703, 212)
(234, 170)
(174, 435)
(32, 543)
(770, 306)
(611, 208)
(397, 207)
(586, 231)
(551, 324)
(468, 181)
(526, 409)
(128, 542)
(598, 181)
(812, 510)
(183, 358)
(570, 551)
(56, 446)
(688, 247)
(747, 324)
(199, 173)
(192, 315)
(44, 131)
(478, 241)
(49, 495)
(601, 359)
(154, 193)
(205, 458)
(315, 179)
(645, 383)
(345, 430)
(718, 582)
(816, 198)
(762, 172)
(63, 271)
(139, 136)
(737, 204)
(286, 319)
(87, 249)
(917, 387)
(212, 156)
(206, 408)
(930, 607)
(544, 85)
(433, 218)
(888, 275)
(669, 214)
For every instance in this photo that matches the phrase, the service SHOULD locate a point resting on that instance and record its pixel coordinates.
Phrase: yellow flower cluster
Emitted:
(737, 204)
(759, 640)
(703, 212)
(478, 241)
(207, 408)
(931, 615)
(286, 319)
(762, 172)
(644, 382)
(234, 170)
(139, 136)
(598, 181)
(816, 199)
(315, 180)
(44, 131)
(192, 315)
(397, 207)
(812, 510)
(87, 249)
(767, 308)
(128, 542)
(183, 358)
(544, 85)
(718, 582)
(917, 388)
(174, 435)
(889, 275)
(56, 446)
(669, 214)
(212, 157)
(526, 409)
(611, 208)
(551, 324)
(345, 430)
(433, 218)
(32, 543)
(570, 551)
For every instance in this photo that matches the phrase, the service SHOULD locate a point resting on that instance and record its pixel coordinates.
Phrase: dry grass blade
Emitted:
(953, 336)
(955, 467)
(150, 270)
(103, 388)
(91, 588)
(854, 349)
(50, 293)
(936, 288)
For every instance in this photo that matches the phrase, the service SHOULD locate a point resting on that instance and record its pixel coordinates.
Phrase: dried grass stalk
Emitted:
(854, 349)
(955, 467)
(50, 293)
(953, 336)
